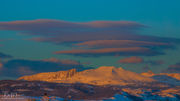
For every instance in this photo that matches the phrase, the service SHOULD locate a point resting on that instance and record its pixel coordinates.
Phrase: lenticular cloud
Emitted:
(95, 38)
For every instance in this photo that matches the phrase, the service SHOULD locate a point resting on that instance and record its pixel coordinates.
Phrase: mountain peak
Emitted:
(120, 68)
(107, 67)
(149, 73)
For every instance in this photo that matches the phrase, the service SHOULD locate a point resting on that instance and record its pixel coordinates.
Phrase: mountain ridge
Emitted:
(168, 78)
(104, 75)
(47, 76)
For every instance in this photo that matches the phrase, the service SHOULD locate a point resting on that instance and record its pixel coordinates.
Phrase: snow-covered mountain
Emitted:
(109, 81)
(100, 76)
(169, 78)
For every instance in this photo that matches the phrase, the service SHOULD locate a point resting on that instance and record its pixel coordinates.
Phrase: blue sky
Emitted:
(80, 10)
(161, 18)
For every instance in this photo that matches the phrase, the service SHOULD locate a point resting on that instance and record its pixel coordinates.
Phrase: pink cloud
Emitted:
(120, 43)
(106, 51)
(1, 66)
(133, 59)
(175, 68)
(101, 36)
(65, 62)
(57, 31)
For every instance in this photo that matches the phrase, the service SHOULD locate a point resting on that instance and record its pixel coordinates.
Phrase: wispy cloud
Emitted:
(121, 43)
(139, 60)
(131, 60)
(110, 51)
(155, 62)
(100, 37)
(173, 68)
(63, 62)
(1, 66)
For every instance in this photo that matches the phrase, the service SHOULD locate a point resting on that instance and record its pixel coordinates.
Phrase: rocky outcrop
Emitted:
(50, 76)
